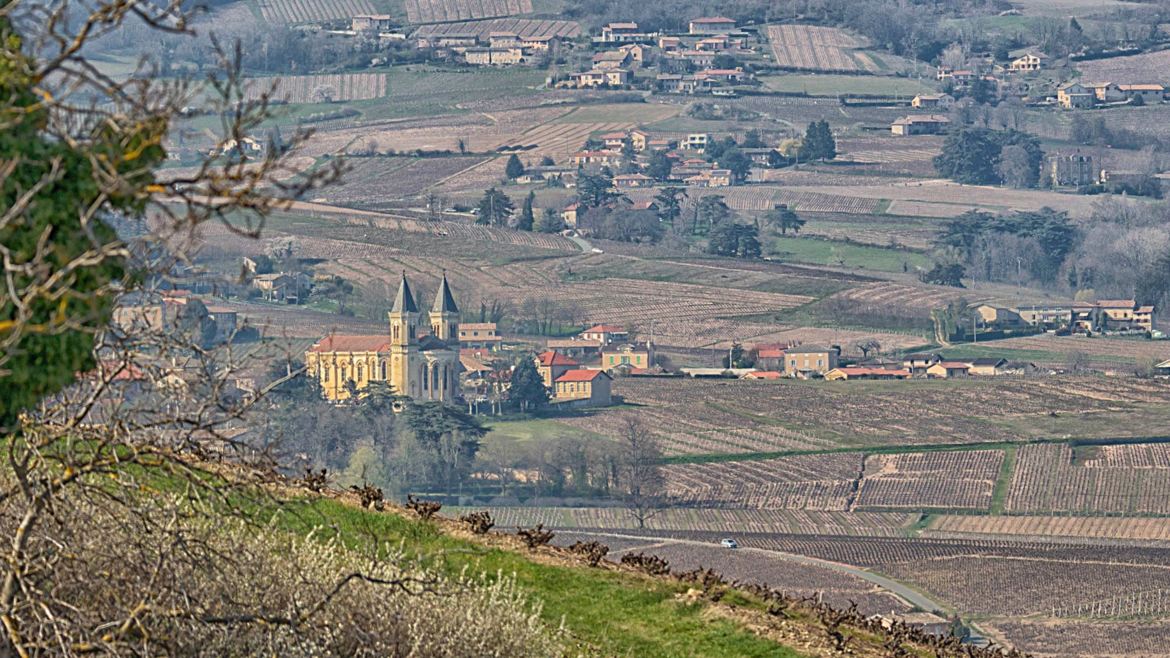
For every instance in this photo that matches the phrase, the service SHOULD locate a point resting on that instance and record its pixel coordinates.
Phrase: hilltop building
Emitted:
(420, 366)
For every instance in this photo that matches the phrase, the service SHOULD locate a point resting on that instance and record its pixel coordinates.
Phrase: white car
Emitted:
(729, 543)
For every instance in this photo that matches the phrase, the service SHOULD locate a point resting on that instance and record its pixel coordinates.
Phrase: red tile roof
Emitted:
(581, 376)
(765, 374)
(861, 371)
(378, 343)
(555, 359)
(954, 365)
(770, 353)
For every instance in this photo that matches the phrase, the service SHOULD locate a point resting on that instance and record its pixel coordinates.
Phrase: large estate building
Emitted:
(421, 366)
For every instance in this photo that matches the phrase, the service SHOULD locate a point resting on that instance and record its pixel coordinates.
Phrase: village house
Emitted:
(493, 56)
(1124, 314)
(677, 83)
(610, 60)
(769, 357)
(636, 53)
(504, 40)
(537, 43)
(480, 335)
(986, 367)
(862, 372)
(1072, 170)
(918, 362)
(669, 44)
(1027, 63)
(575, 348)
(948, 370)
(631, 181)
(695, 141)
(627, 356)
(932, 101)
(622, 33)
(569, 214)
(606, 334)
(922, 124)
(958, 77)
(1105, 92)
(1046, 316)
(454, 41)
(700, 59)
(1074, 95)
(998, 317)
(552, 365)
(371, 22)
(423, 367)
(711, 178)
(591, 387)
(810, 360)
(724, 75)
(639, 140)
(600, 158)
(712, 25)
(1162, 369)
(1149, 93)
(282, 286)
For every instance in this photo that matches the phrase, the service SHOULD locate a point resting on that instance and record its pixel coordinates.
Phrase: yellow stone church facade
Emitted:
(422, 366)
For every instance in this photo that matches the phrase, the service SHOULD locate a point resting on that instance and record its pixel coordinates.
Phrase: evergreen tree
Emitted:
(736, 162)
(711, 211)
(514, 169)
(818, 143)
(659, 166)
(526, 218)
(550, 221)
(669, 201)
(733, 239)
(527, 391)
(785, 219)
(595, 190)
(494, 208)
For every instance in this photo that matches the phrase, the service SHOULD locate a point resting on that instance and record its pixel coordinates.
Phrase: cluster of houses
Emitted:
(1096, 317)
(492, 49)
(579, 371)
(1079, 95)
(685, 63)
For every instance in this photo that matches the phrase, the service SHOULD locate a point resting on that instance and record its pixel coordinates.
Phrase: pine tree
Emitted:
(494, 208)
(514, 169)
(550, 221)
(527, 391)
(526, 219)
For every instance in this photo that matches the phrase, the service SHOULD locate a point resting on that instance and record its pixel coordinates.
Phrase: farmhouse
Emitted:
(601, 78)
(622, 33)
(922, 124)
(480, 335)
(770, 357)
(455, 41)
(371, 22)
(919, 362)
(552, 365)
(724, 75)
(569, 214)
(1148, 93)
(1123, 314)
(493, 56)
(987, 367)
(504, 40)
(424, 367)
(629, 181)
(538, 44)
(1162, 369)
(807, 360)
(1027, 62)
(861, 372)
(593, 387)
(1105, 92)
(627, 356)
(711, 178)
(712, 25)
(605, 333)
(1072, 170)
(282, 286)
(996, 316)
(1074, 95)
(764, 374)
(610, 60)
(676, 83)
(932, 101)
(948, 370)
(669, 44)
(601, 158)
(635, 52)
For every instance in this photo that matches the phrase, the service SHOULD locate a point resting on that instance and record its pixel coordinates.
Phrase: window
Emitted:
(361, 373)
(820, 363)
(326, 371)
(625, 360)
(384, 371)
(343, 372)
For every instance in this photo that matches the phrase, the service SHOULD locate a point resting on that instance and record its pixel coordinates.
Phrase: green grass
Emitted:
(621, 614)
(838, 85)
(537, 429)
(816, 251)
(1004, 480)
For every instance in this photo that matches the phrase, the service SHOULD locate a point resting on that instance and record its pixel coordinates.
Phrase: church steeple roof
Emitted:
(444, 301)
(404, 302)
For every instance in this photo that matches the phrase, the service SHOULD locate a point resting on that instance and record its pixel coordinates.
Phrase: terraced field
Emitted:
(812, 48)
(521, 26)
(313, 11)
(443, 11)
(338, 87)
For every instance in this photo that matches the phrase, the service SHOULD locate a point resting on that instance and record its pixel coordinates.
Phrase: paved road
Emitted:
(914, 597)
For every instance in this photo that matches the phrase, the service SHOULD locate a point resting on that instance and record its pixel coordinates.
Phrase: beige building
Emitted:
(921, 124)
(494, 56)
(627, 356)
(948, 370)
(423, 367)
(1074, 95)
(479, 336)
(805, 360)
(932, 101)
(592, 385)
(552, 365)
(712, 25)
(1027, 63)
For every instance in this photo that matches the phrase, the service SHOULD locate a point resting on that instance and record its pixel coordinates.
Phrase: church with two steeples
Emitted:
(423, 366)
